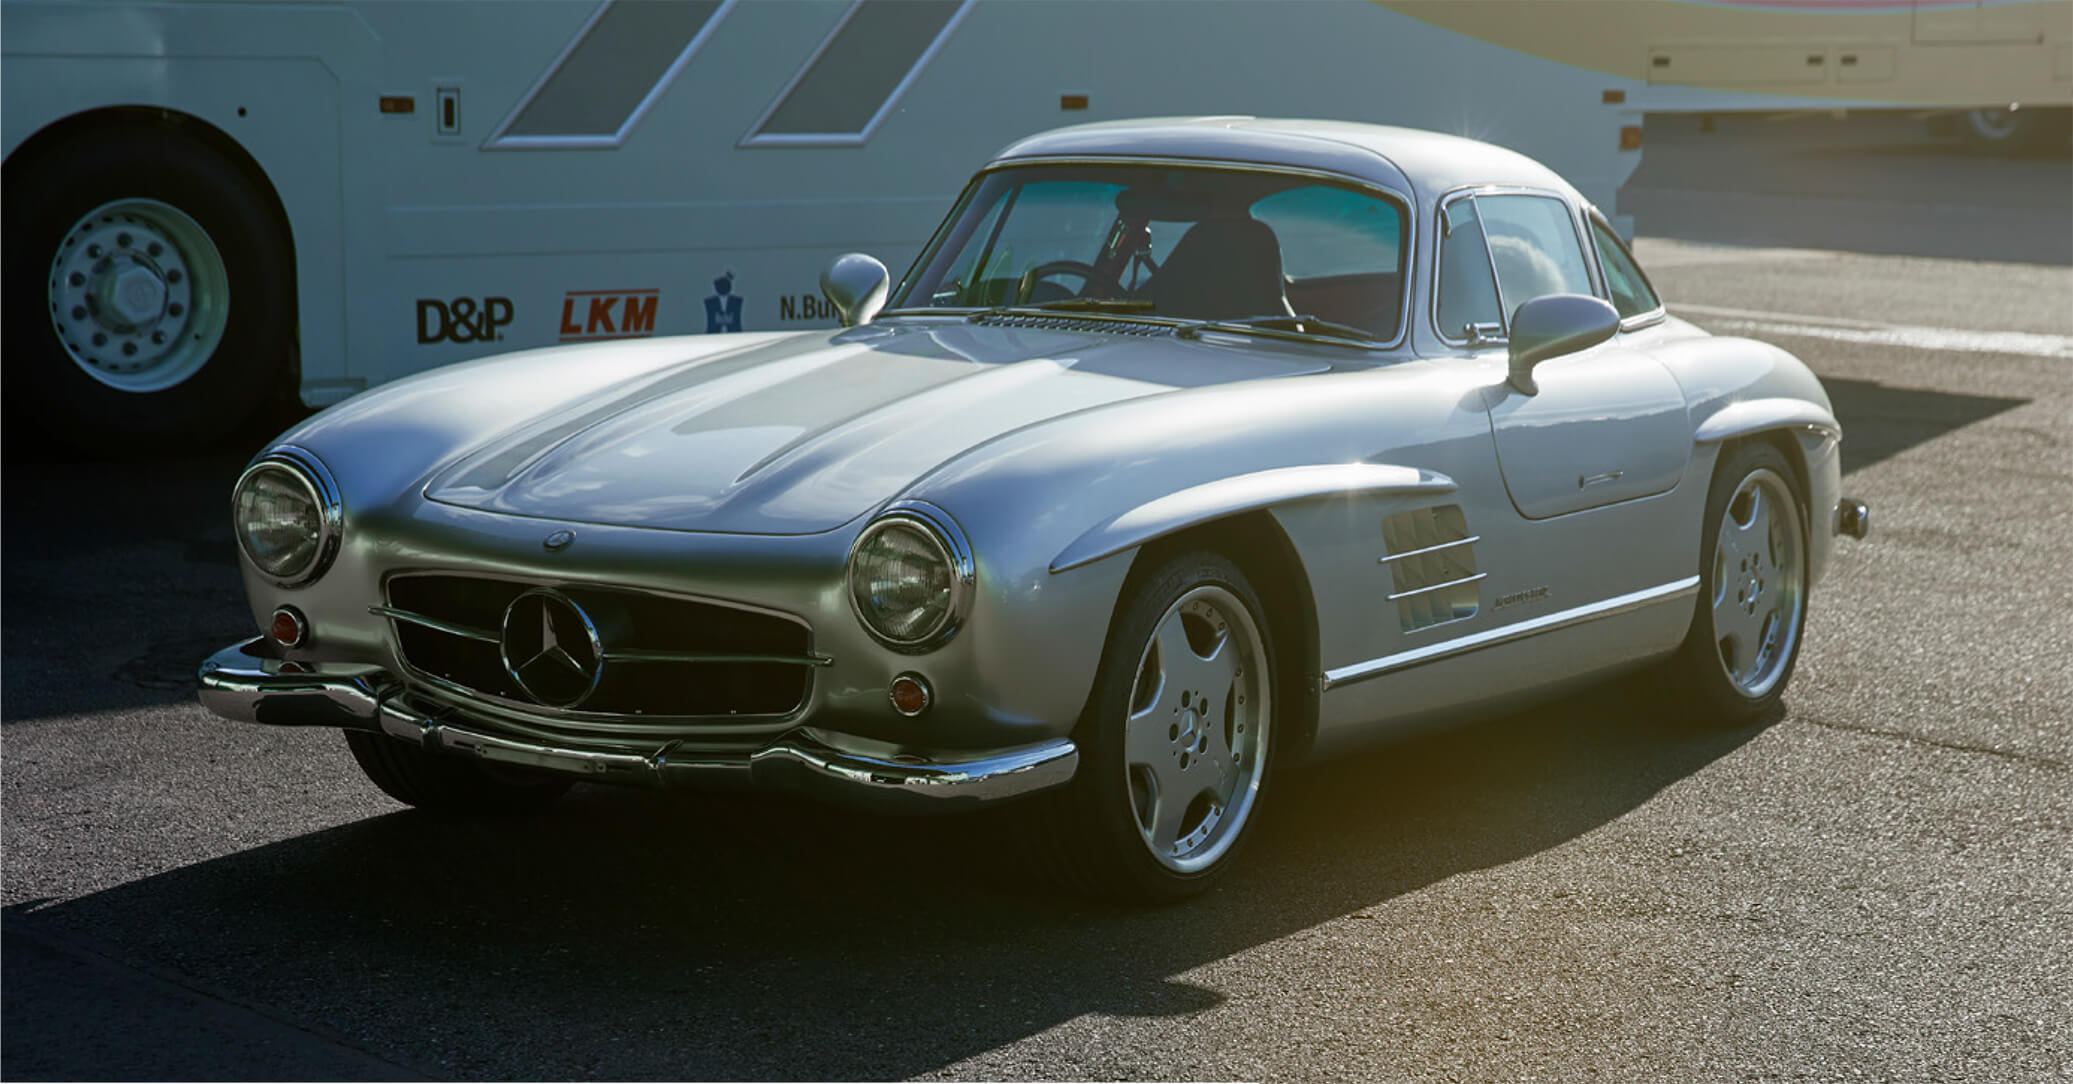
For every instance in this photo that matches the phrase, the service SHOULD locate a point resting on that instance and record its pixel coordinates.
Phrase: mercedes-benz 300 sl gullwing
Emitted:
(1187, 450)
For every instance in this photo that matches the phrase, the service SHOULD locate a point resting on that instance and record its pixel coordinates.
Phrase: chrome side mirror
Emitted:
(1551, 326)
(855, 284)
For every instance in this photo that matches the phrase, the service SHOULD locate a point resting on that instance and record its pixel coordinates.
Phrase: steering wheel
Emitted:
(1093, 275)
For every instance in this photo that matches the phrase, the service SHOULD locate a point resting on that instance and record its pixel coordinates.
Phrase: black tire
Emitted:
(448, 784)
(1090, 835)
(1730, 672)
(2039, 130)
(51, 394)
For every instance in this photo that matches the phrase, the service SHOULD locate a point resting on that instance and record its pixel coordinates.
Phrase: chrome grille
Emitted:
(663, 656)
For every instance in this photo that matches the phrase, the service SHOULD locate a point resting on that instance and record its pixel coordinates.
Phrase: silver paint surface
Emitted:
(742, 468)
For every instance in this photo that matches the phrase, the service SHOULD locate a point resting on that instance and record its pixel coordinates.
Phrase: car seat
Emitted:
(1222, 268)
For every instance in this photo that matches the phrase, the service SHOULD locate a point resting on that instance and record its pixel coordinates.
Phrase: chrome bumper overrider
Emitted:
(1852, 518)
(246, 683)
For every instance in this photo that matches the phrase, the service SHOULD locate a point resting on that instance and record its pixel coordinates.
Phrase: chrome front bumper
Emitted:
(246, 683)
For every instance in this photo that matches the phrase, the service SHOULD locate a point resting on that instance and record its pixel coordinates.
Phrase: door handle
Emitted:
(1586, 481)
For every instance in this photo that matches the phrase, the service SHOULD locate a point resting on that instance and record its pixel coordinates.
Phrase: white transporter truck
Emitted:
(210, 203)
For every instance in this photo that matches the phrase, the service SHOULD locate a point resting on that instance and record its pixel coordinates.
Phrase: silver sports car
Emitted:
(1188, 449)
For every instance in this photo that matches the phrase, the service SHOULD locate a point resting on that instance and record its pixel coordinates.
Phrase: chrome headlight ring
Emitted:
(321, 489)
(952, 549)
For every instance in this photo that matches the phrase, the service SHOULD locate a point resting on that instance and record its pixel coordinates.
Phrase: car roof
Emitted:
(1424, 163)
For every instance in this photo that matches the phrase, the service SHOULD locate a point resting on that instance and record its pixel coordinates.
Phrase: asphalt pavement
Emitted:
(1878, 885)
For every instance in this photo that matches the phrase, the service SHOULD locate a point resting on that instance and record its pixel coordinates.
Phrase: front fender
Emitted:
(1056, 513)
(1196, 505)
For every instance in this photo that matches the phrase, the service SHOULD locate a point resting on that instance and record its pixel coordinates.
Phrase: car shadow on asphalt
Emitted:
(1881, 421)
(636, 934)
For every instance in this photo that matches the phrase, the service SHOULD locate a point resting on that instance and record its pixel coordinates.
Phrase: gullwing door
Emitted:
(1608, 423)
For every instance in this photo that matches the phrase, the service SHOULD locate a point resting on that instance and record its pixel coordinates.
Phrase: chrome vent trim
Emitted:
(1432, 566)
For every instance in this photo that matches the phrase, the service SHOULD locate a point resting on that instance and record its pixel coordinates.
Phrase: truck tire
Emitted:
(2036, 130)
(149, 292)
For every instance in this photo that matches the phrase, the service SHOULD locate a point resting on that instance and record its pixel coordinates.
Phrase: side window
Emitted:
(1534, 244)
(1467, 289)
(1631, 294)
(1341, 251)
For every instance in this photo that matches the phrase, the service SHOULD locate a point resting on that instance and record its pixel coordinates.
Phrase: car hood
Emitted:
(806, 433)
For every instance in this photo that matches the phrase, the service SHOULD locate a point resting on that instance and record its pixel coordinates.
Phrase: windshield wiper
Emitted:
(1306, 327)
(1070, 304)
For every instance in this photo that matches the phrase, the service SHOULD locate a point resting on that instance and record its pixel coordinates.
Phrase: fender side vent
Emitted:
(1432, 566)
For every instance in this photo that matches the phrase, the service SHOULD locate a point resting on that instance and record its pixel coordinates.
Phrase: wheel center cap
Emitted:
(135, 297)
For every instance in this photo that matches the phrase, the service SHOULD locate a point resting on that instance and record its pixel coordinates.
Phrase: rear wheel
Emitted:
(1745, 636)
(448, 784)
(2037, 130)
(1176, 742)
(149, 292)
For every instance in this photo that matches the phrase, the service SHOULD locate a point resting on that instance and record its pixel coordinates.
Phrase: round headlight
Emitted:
(910, 578)
(286, 513)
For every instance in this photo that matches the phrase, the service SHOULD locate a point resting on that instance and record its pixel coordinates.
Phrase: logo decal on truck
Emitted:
(805, 307)
(592, 315)
(462, 320)
(723, 306)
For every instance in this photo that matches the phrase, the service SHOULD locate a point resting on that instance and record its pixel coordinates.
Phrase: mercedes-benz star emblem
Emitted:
(550, 648)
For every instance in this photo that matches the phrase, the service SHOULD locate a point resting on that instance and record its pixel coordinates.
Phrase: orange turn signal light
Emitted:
(910, 695)
(288, 628)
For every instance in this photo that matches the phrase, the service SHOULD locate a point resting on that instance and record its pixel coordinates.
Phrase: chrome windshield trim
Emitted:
(1407, 208)
(1611, 607)
(1392, 557)
(433, 623)
(1641, 320)
(1416, 591)
(1439, 238)
(1650, 318)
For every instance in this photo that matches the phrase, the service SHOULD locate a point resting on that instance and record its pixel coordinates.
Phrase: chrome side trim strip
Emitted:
(1470, 540)
(1416, 591)
(1611, 607)
(434, 624)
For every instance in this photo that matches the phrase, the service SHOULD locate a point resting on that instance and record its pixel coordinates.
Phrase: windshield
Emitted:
(1191, 243)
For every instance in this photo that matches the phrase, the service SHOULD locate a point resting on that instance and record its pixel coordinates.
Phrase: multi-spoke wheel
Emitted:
(1177, 741)
(1196, 738)
(1745, 636)
(149, 289)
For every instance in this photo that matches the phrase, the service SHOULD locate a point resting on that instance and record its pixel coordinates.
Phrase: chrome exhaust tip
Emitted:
(1852, 517)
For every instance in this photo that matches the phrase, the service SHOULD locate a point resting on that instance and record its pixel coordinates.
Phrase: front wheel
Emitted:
(1745, 635)
(1176, 740)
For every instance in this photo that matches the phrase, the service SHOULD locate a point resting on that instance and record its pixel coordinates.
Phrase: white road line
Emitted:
(2025, 343)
